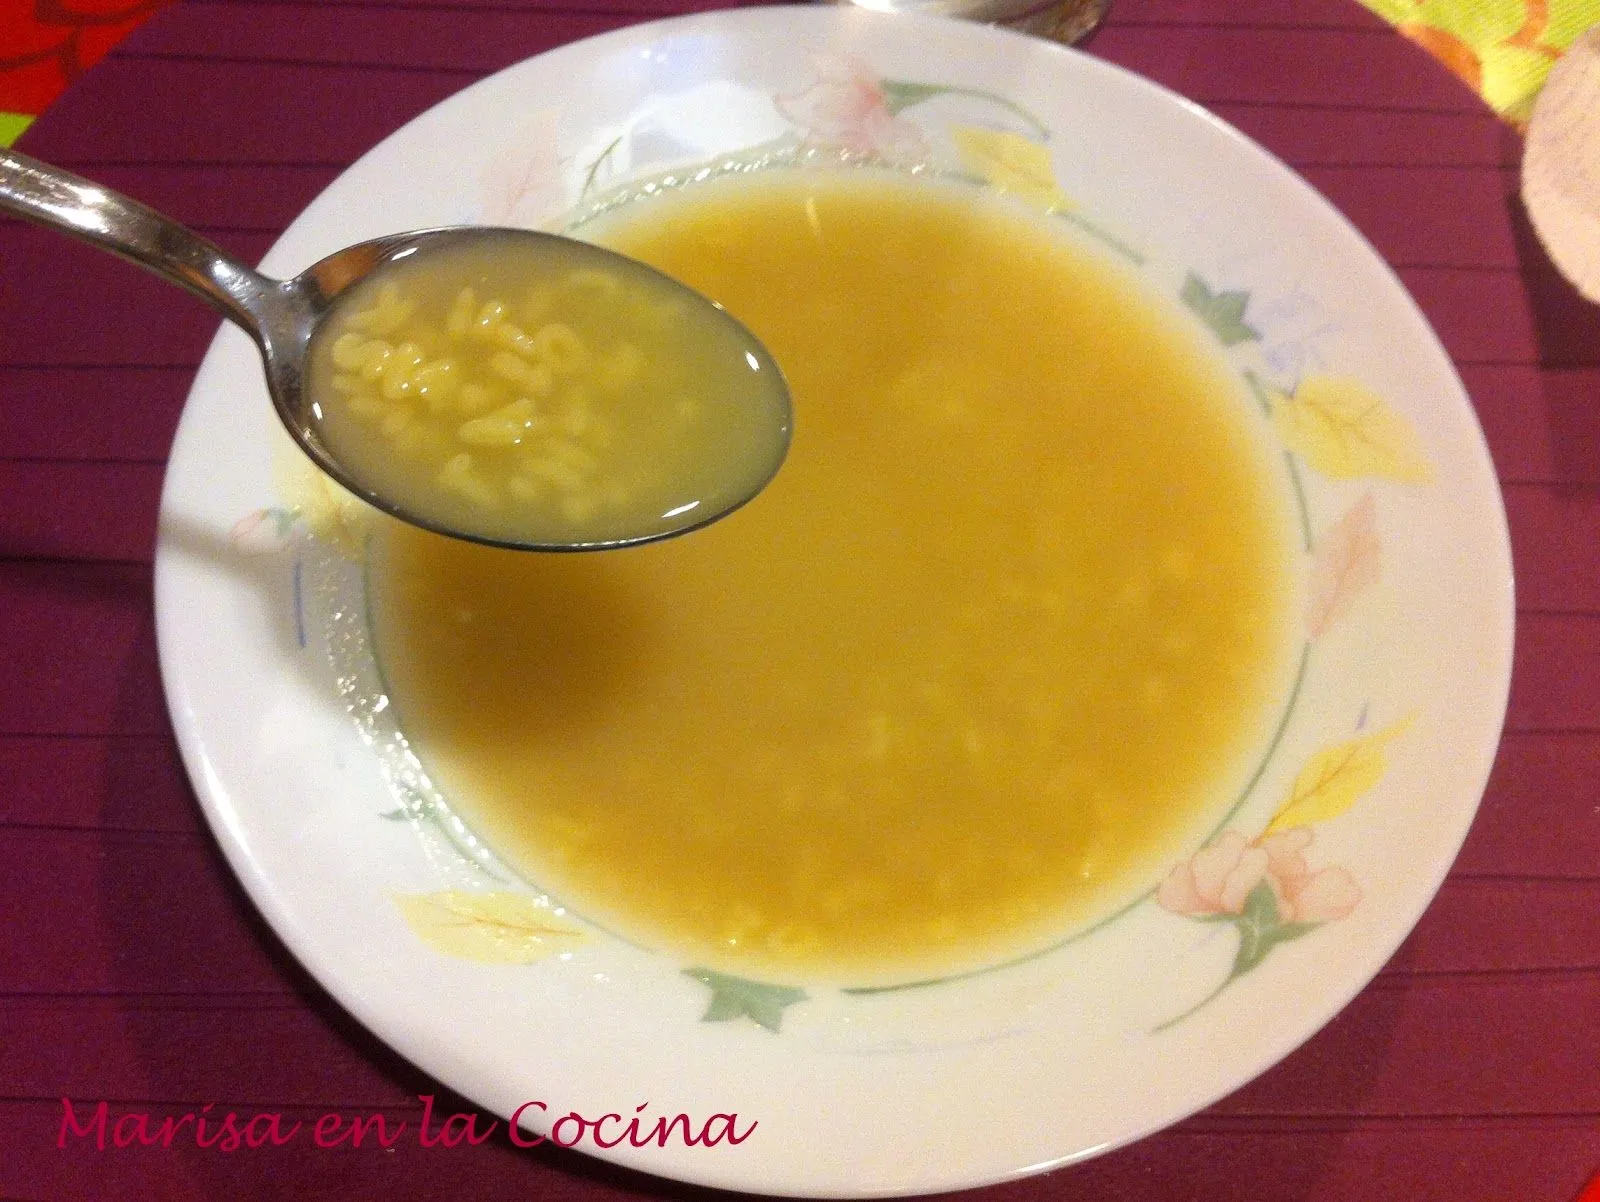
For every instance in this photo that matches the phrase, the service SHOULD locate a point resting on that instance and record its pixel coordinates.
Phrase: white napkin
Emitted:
(1561, 165)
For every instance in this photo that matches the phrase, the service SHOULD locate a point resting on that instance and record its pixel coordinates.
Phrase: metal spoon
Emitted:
(283, 316)
(1064, 21)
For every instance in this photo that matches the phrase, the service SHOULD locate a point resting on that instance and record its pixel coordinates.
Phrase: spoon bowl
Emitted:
(286, 317)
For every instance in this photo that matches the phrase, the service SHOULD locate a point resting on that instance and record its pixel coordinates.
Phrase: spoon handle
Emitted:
(73, 205)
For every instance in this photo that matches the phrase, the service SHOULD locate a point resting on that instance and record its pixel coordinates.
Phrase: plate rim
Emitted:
(218, 806)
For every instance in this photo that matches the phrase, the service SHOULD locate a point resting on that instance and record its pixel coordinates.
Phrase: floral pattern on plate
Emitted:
(1264, 886)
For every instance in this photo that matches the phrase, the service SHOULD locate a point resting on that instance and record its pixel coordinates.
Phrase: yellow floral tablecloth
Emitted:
(1502, 49)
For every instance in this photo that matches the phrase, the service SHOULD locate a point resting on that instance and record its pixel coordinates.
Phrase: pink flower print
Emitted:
(848, 107)
(1322, 897)
(1285, 850)
(1261, 887)
(1348, 562)
(1216, 880)
(1219, 878)
(262, 532)
(1303, 895)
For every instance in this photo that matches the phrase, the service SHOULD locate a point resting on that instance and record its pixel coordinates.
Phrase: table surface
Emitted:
(134, 970)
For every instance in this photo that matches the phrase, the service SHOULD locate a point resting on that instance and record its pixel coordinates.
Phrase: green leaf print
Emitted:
(1222, 312)
(734, 997)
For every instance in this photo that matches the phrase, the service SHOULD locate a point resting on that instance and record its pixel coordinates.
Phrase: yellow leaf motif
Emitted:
(494, 928)
(1335, 778)
(1012, 163)
(1345, 431)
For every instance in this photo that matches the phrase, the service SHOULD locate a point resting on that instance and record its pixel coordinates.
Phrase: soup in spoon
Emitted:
(505, 386)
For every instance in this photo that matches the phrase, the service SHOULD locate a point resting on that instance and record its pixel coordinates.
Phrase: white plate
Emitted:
(1111, 1036)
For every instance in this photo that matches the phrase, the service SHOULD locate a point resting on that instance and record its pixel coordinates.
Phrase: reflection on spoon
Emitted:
(503, 386)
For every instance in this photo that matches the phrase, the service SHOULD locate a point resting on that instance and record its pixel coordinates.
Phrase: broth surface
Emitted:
(996, 645)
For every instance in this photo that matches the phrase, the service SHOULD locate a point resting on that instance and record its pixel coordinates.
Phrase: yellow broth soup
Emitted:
(1000, 639)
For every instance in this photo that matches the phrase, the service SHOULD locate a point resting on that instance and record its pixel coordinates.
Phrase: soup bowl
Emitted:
(1241, 939)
